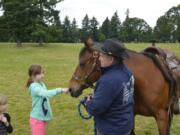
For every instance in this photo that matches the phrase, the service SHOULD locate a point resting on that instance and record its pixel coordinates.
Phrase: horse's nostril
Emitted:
(70, 90)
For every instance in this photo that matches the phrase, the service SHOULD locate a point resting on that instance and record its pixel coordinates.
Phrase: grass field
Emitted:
(59, 61)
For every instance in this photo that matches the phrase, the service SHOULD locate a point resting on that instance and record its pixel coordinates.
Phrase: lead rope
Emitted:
(83, 103)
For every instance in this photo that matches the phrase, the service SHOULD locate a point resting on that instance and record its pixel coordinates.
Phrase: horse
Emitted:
(151, 88)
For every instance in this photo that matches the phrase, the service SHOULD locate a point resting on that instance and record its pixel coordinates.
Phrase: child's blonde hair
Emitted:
(3, 100)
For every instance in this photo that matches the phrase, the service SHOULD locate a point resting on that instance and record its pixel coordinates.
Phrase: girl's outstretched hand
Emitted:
(65, 90)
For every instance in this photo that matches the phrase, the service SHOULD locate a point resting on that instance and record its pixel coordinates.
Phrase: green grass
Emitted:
(59, 61)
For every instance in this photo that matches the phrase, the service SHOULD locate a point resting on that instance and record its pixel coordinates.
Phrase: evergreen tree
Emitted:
(94, 28)
(115, 26)
(4, 34)
(85, 31)
(105, 28)
(38, 20)
(16, 15)
(28, 20)
(43, 14)
(67, 30)
(75, 31)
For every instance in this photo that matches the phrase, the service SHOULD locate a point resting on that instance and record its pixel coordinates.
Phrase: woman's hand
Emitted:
(89, 98)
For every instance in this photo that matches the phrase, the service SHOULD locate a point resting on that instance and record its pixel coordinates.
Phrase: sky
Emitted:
(149, 10)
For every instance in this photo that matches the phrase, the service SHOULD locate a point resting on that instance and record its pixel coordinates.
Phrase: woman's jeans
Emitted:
(98, 133)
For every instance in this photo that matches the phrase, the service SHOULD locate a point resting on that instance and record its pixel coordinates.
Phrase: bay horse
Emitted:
(151, 88)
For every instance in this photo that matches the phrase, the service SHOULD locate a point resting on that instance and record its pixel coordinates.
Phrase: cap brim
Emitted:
(98, 47)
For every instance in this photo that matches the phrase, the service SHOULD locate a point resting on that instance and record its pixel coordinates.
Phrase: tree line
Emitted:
(39, 21)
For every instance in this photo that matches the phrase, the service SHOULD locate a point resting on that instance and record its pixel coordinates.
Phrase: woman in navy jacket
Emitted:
(112, 103)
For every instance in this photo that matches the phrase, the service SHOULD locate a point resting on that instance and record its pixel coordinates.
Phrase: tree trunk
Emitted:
(40, 42)
(19, 43)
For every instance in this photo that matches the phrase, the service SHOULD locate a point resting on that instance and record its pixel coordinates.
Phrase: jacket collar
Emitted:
(109, 68)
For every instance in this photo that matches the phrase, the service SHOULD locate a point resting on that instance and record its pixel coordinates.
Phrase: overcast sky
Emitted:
(149, 10)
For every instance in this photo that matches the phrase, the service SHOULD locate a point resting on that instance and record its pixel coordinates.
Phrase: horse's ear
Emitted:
(88, 43)
(88, 46)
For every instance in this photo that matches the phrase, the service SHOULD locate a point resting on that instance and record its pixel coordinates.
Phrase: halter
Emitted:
(84, 80)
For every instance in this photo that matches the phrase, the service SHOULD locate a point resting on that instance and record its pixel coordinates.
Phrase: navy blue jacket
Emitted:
(112, 103)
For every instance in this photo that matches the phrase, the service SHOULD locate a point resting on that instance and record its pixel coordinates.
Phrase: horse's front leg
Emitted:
(163, 122)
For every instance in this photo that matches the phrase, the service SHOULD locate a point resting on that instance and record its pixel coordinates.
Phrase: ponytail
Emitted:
(33, 71)
(29, 82)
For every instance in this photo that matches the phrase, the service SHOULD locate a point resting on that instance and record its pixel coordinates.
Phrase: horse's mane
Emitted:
(132, 51)
(82, 51)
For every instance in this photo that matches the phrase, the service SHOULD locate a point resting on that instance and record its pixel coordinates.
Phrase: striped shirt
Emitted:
(4, 130)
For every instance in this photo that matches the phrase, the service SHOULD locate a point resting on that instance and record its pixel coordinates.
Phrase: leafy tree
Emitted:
(168, 25)
(178, 32)
(135, 29)
(162, 30)
(173, 16)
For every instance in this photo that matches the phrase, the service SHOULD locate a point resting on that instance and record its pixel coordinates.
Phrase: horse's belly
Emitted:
(141, 109)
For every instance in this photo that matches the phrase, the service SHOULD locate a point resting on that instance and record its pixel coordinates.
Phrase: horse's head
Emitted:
(87, 71)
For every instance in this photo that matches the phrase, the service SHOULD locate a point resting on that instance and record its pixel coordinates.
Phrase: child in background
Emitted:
(5, 119)
(41, 109)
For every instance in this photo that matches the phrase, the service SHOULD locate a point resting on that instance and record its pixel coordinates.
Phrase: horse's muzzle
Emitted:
(75, 93)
